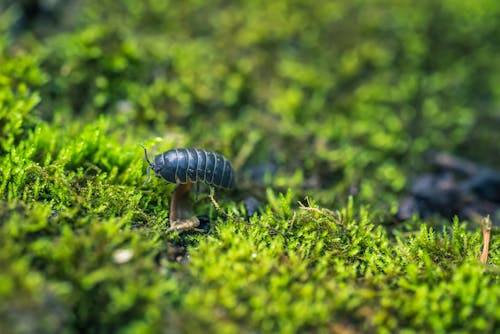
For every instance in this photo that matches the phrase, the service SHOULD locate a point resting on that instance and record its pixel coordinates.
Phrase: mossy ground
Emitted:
(335, 101)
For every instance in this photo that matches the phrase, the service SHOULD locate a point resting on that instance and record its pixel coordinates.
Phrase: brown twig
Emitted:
(486, 227)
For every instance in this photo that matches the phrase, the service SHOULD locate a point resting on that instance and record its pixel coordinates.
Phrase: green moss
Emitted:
(333, 101)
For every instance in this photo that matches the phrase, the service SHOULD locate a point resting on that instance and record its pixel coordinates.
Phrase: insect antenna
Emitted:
(148, 170)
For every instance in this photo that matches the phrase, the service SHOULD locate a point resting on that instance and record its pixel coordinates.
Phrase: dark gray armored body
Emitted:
(185, 165)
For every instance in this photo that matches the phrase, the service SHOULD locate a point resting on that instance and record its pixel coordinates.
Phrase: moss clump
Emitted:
(327, 100)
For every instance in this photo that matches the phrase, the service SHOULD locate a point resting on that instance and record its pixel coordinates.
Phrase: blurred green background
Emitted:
(332, 97)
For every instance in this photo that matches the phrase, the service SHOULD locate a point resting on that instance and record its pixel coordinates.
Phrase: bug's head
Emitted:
(151, 166)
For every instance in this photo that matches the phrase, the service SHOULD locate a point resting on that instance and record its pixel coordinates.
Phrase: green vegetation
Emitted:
(335, 101)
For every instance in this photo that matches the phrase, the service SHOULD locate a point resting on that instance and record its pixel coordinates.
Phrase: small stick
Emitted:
(486, 227)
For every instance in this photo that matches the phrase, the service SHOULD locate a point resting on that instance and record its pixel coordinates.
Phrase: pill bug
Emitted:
(183, 165)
